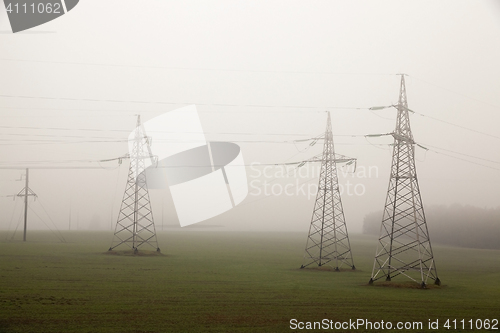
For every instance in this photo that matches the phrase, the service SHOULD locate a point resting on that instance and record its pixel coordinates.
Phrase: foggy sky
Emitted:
(276, 66)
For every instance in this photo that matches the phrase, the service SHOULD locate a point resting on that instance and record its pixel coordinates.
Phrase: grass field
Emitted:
(223, 282)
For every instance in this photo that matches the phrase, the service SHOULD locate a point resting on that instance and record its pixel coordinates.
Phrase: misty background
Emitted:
(455, 225)
(262, 74)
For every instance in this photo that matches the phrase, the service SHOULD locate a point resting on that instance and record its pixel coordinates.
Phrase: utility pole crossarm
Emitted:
(23, 193)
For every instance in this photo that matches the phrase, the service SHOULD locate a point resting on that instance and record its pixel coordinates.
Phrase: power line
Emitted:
(52, 168)
(55, 136)
(455, 92)
(66, 110)
(437, 119)
(234, 141)
(311, 141)
(275, 142)
(456, 125)
(243, 105)
(444, 149)
(467, 155)
(113, 139)
(49, 142)
(183, 103)
(18, 167)
(65, 128)
(129, 131)
(313, 160)
(53, 161)
(60, 237)
(320, 110)
(194, 68)
(463, 159)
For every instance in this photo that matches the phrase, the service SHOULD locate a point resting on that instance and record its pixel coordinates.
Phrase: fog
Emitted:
(262, 74)
(455, 225)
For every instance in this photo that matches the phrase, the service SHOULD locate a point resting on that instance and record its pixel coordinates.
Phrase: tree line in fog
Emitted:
(455, 225)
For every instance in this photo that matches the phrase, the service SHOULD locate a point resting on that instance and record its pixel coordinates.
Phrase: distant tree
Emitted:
(456, 225)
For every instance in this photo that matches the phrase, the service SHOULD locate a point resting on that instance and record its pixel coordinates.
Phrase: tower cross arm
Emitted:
(337, 158)
(400, 137)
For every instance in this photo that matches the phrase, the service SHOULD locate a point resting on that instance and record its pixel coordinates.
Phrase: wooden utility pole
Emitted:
(26, 192)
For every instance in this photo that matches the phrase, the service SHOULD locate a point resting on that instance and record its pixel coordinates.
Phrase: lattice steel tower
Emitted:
(135, 227)
(328, 241)
(404, 245)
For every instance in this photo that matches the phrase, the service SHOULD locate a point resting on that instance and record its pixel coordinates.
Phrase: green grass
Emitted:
(222, 282)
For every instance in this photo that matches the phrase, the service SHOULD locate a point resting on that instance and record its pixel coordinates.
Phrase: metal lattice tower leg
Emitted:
(404, 245)
(135, 227)
(328, 240)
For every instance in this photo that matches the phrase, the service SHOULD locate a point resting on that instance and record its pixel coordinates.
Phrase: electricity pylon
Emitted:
(328, 240)
(135, 227)
(404, 246)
